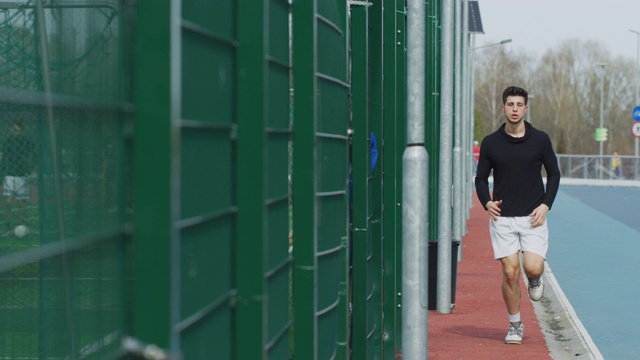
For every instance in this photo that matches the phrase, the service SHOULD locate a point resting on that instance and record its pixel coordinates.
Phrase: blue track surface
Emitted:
(594, 252)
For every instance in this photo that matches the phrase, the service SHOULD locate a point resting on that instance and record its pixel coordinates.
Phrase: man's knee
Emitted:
(511, 273)
(533, 264)
(533, 272)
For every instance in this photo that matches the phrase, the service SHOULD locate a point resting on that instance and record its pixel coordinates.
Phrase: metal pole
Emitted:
(415, 167)
(635, 167)
(472, 87)
(637, 101)
(601, 115)
(467, 137)
(457, 135)
(443, 294)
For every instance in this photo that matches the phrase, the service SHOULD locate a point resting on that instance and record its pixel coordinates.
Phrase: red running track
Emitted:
(478, 324)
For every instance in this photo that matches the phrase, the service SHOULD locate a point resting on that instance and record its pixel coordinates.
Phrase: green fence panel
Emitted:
(185, 130)
(152, 180)
(212, 243)
(205, 131)
(279, 135)
(321, 116)
(361, 299)
(262, 246)
(64, 97)
(332, 151)
(394, 129)
(375, 29)
(432, 116)
(304, 181)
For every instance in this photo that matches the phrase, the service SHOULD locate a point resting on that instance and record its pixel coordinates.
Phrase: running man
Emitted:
(518, 209)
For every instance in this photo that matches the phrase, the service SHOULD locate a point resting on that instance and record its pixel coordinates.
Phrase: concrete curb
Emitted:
(564, 333)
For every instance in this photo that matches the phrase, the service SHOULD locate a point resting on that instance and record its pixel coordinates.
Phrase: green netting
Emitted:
(63, 285)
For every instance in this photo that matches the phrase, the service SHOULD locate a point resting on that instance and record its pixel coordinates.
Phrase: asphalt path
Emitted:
(594, 254)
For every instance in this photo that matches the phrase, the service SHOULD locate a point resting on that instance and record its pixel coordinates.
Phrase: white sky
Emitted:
(537, 25)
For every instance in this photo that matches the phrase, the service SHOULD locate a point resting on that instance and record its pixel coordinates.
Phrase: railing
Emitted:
(596, 167)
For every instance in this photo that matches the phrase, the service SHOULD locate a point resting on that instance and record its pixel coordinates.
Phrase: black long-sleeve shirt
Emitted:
(517, 171)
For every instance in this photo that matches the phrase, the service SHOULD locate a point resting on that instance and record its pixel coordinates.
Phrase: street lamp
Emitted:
(470, 70)
(602, 66)
(505, 41)
(472, 74)
(637, 94)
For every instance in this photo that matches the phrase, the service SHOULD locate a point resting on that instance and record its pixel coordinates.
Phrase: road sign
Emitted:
(635, 129)
(636, 113)
(601, 134)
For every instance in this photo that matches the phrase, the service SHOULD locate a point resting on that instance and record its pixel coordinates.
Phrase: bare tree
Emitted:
(566, 84)
(497, 70)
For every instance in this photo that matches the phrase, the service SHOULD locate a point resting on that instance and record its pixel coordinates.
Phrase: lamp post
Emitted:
(472, 74)
(469, 105)
(602, 66)
(637, 94)
(505, 41)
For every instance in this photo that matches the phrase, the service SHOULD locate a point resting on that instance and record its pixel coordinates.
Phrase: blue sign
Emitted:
(636, 113)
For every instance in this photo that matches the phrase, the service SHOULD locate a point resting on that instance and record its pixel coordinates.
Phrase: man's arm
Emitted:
(550, 162)
(482, 176)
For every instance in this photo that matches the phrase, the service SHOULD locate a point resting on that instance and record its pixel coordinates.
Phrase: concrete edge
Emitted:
(564, 333)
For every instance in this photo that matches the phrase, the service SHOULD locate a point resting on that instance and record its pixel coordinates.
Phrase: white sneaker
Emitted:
(515, 334)
(536, 288)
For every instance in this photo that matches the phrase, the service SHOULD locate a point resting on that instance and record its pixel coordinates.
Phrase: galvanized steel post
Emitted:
(472, 88)
(443, 294)
(457, 138)
(637, 91)
(601, 73)
(467, 137)
(414, 194)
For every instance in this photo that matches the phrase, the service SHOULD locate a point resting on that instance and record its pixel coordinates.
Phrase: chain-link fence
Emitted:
(606, 167)
(63, 264)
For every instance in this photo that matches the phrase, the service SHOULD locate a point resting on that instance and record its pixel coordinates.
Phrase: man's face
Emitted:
(514, 108)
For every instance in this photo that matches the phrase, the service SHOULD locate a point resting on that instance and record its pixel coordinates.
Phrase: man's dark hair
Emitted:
(515, 91)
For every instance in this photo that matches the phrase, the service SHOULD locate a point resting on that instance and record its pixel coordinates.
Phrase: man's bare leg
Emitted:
(511, 282)
(533, 265)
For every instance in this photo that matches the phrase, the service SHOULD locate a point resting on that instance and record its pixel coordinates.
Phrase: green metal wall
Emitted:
(263, 274)
(375, 30)
(377, 112)
(64, 75)
(242, 118)
(212, 80)
(362, 267)
(394, 137)
(223, 95)
(321, 117)
(432, 120)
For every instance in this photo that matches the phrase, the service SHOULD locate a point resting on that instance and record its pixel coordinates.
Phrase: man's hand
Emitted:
(494, 209)
(539, 215)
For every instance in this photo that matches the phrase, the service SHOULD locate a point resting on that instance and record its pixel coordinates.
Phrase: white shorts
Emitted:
(512, 234)
(16, 186)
